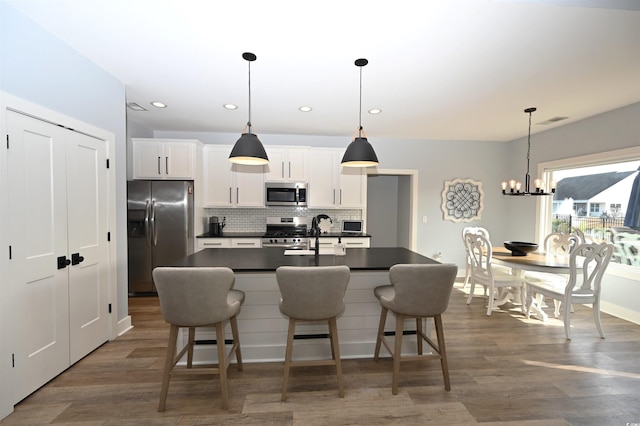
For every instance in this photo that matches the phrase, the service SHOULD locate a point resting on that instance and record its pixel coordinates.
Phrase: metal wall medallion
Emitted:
(462, 200)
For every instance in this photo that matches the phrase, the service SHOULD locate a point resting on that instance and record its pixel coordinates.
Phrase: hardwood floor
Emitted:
(505, 370)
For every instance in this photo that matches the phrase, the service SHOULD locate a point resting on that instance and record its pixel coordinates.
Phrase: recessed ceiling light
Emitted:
(158, 104)
(375, 111)
(134, 106)
(305, 108)
(230, 106)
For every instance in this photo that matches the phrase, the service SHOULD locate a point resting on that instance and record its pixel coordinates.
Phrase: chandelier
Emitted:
(513, 187)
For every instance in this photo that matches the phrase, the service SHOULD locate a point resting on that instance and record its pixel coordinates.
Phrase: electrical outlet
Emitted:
(424, 219)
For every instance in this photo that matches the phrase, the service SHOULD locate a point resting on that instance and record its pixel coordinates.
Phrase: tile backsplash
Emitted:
(254, 220)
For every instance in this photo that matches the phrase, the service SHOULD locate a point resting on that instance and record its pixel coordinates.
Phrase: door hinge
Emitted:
(108, 236)
(13, 360)
(7, 141)
(109, 307)
(10, 256)
(107, 163)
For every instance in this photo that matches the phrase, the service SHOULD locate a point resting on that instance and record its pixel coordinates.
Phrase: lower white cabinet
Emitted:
(349, 242)
(204, 243)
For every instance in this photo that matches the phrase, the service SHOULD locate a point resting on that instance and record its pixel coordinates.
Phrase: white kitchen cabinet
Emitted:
(287, 164)
(334, 186)
(246, 243)
(230, 185)
(349, 242)
(204, 243)
(164, 158)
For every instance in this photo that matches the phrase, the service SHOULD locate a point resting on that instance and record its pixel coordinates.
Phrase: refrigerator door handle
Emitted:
(154, 231)
(147, 228)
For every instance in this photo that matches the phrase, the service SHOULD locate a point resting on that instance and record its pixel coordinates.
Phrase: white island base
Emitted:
(263, 329)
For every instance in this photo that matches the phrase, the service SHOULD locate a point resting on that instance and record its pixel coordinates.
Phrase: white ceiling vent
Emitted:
(134, 106)
(552, 120)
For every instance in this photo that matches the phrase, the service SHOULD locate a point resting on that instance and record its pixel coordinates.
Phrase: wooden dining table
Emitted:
(535, 262)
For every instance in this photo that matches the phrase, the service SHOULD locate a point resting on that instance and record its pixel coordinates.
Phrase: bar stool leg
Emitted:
(191, 343)
(419, 334)
(442, 351)
(168, 365)
(222, 364)
(383, 320)
(236, 341)
(335, 349)
(287, 358)
(397, 354)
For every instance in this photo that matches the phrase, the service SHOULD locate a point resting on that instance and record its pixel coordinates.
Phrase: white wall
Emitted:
(38, 67)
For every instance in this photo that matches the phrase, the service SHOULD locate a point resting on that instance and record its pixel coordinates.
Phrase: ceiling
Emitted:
(438, 69)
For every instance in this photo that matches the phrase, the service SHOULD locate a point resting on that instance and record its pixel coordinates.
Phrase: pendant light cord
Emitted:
(529, 143)
(360, 107)
(249, 122)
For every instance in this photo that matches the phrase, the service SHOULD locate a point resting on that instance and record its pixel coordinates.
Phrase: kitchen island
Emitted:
(263, 329)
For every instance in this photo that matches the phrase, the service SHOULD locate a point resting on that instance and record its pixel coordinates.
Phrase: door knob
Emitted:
(76, 258)
(63, 262)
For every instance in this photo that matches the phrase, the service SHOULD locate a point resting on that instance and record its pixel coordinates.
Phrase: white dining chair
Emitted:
(497, 280)
(587, 264)
(475, 230)
(558, 245)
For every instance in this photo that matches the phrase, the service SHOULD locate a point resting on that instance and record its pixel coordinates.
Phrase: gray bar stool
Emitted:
(312, 293)
(416, 291)
(198, 297)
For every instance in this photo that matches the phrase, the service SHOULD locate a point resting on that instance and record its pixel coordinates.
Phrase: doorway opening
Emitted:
(392, 203)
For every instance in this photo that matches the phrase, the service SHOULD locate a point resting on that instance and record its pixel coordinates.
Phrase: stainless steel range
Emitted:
(290, 232)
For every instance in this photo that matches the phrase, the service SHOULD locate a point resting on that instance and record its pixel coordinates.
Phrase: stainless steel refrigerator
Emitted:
(159, 228)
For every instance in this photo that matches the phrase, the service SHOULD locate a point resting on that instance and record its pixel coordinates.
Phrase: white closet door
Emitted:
(38, 234)
(88, 246)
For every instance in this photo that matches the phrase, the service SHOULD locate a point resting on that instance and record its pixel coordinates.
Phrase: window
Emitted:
(615, 209)
(593, 196)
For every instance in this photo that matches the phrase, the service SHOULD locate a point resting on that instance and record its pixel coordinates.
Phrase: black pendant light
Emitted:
(248, 149)
(360, 153)
(513, 187)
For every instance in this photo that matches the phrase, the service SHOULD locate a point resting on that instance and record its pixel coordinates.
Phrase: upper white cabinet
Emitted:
(230, 185)
(287, 163)
(334, 186)
(164, 158)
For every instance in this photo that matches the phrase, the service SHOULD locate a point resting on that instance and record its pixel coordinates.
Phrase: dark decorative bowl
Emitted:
(520, 248)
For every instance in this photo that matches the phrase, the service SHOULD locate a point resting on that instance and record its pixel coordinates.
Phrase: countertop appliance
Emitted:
(286, 194)
(159, 228)
(289, 232)
(215, 226)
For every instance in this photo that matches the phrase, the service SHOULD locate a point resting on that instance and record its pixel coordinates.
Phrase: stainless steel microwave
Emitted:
(293, 194)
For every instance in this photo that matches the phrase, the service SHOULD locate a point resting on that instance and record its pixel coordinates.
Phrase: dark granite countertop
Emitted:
(268, 259)
(343, 235)
(260, 234)
(232, 235)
